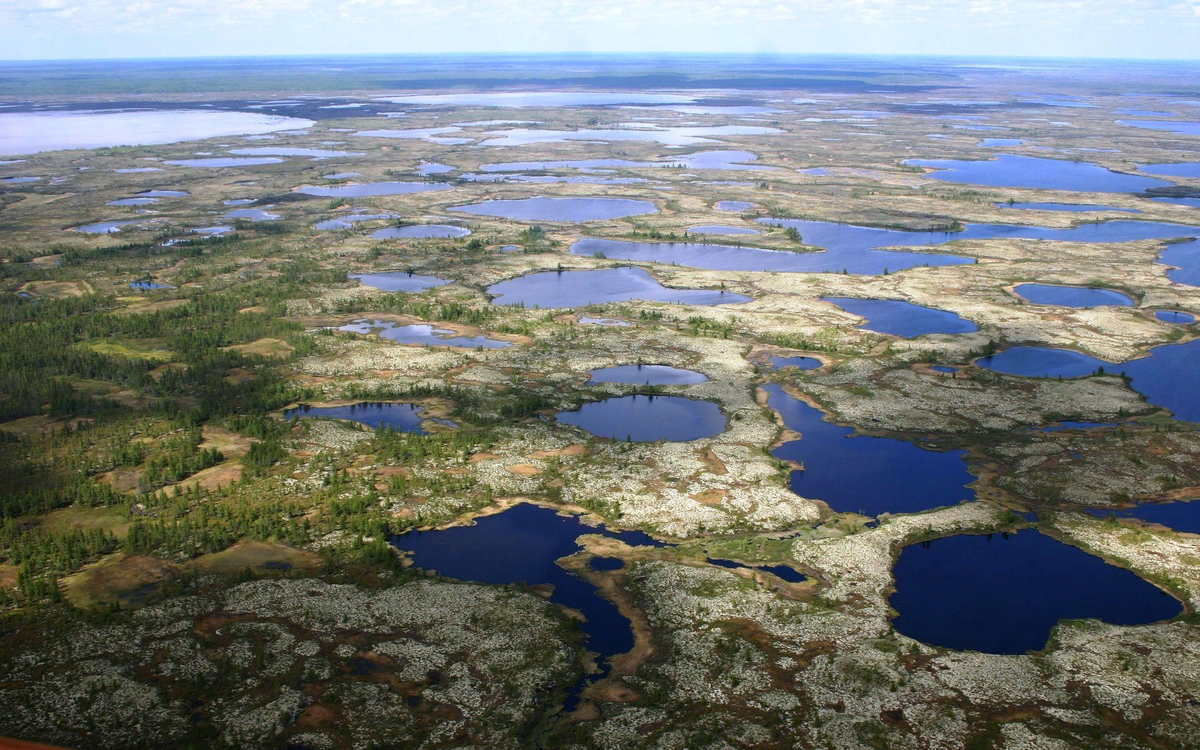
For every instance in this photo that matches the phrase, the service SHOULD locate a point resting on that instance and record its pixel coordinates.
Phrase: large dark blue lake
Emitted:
(1185, 257)
(902, 319)
(1004, 595)
(866, 475)
(648, 419)
(1168, 376)
(553, 289)
(519, 546)
(1007, 170)
(1180, 516)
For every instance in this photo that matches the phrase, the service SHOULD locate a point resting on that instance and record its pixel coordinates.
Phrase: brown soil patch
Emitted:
(712, 461)
(266, 347)
(525, 470)
(261, 557)
(482, 457)
(212, 478)
(710, 497)
(571, 450)
(230, 443)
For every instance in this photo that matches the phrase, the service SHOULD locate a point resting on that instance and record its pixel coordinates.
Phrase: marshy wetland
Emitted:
(741, 407)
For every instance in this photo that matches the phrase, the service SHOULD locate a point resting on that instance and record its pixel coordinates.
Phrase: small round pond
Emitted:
(1072, 296)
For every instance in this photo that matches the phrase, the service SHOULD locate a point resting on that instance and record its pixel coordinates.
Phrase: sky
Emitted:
(62, 29)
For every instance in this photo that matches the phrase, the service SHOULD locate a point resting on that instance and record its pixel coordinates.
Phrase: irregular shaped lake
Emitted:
(646, 375)
(554, 289)
(1007, 170)
(32, 132)
(420, 231)
(1179, 516)
(1185, 257)
(371, 188)
(1168, 376)
(902, 319)
(217, 162)
(1004, 594)
(1072, 296)
(800, 363)
(1064, 207)
(520, 546)
(399, 417)
(422, 334)
(1175, 316)
(399, 281)
(560, 209)
(865, 475)
(648, 419)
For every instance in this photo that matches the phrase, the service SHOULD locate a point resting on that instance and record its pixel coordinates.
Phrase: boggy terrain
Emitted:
(190, 559)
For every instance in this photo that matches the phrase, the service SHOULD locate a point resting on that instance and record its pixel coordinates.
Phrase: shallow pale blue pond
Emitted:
(1072, 296)
(555, 289)
(902, 319)
(646, 375)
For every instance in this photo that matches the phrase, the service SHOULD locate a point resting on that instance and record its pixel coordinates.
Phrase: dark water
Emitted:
(1072, 296)
(648, 419)
(399, 281)
(606, 563)
(1168, 376)
(422, 333)
(520, 546)
(370, 188)
(559, 209)
(902, 319)
(944, 368)
(1065, 207)
(399, 417)
(1194, 202)
(1185, 256)
(1007, 170)
(1180, 516)
(149, 285)
(784, 572)
(1004, 595)
(646, 375)
(800, 363)
(1174, 316)
(420, 231)
(1060, 426)
(553, 289)
(867, 475)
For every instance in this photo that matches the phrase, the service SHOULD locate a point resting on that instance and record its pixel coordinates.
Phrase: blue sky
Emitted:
(51, 29)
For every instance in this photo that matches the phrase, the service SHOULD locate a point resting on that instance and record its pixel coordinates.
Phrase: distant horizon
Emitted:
(602, 54)
(61, 30)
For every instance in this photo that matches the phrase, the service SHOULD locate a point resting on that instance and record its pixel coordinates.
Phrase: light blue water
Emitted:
(555, 289)
(560, 209)
(420, 231)
(1007, 170)
(902, 319)
(422, 334)
(398, 281)
(1072, 296)
(646, 375)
